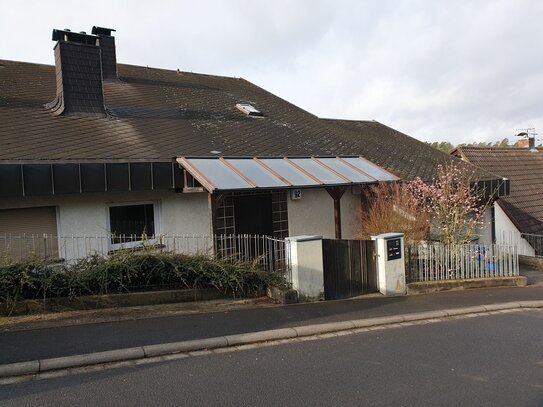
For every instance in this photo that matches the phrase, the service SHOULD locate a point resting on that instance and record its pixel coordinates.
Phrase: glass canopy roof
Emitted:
(222, 174)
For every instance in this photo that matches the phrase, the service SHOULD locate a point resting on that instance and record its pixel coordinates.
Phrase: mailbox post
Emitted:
(390, 263)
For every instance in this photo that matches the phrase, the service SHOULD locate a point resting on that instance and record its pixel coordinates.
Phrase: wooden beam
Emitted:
(336, 193)
(215, 201)
(201, 178)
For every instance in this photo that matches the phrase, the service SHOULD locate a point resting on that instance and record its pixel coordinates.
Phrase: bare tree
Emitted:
(451, 209)
(393, 208)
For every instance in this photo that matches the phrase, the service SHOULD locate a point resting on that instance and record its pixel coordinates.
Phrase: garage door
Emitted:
(29, 232)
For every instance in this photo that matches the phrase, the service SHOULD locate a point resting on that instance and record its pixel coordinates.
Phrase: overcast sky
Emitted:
(437, 70)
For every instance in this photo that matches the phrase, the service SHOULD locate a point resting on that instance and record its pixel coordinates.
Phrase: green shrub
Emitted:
(127, 271)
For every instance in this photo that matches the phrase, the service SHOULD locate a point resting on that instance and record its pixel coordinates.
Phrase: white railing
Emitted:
(434, 261)
(530, 245)
(535, 242)
(269, 253)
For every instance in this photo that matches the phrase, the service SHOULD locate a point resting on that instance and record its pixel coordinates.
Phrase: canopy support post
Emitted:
(336, 193)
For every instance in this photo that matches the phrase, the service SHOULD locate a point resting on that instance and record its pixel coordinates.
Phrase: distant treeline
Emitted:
(448, 147)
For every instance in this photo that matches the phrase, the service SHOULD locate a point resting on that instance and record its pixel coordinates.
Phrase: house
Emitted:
(90, 147)
(518, 216)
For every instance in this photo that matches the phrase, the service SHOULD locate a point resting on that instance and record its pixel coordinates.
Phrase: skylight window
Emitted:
(249, 110)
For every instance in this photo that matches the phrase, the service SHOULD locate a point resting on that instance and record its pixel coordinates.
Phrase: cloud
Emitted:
(458, 70)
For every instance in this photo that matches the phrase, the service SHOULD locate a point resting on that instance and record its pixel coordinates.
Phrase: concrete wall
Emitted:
(507, 233)
(314, 214)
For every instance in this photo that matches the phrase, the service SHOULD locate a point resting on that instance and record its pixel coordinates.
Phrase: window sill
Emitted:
(136, 248)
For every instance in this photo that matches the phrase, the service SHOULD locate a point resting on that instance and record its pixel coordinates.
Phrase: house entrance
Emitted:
(263, 214)
(253, 214)
(349, 268)
(257, 215)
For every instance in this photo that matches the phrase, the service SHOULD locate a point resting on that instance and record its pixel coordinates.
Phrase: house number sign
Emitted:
(296, 194)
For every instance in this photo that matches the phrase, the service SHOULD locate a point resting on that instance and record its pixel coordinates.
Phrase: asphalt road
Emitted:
(18, 346)
(494, 360)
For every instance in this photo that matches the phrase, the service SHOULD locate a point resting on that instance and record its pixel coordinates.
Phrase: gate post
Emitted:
(307, 267)
(390, 263)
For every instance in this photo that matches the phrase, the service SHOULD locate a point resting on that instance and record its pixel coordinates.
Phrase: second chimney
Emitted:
(107, 47)
(531, 143)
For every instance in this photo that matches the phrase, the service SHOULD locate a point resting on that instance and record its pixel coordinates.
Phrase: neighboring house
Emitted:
(521, 212)
(89, 147)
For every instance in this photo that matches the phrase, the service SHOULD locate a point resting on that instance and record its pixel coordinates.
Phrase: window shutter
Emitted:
(22, 232)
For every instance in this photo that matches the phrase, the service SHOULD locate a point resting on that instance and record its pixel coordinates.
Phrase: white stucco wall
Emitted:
(350, 215)
(311, 215)
(88, 215)
(485, 233)
(307, 267)
(508, 234)
(314, 214)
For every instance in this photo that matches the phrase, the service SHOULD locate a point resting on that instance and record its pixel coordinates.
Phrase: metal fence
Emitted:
(527, 244)
(434, 261)
(268, 253)
(535, 241)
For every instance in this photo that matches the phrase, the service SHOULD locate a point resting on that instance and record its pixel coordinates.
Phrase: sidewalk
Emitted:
(19, 346)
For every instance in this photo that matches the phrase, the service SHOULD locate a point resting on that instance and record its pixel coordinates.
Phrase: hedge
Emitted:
(127, 271)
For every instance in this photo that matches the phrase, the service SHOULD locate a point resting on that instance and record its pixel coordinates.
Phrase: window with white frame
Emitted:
(132, 222)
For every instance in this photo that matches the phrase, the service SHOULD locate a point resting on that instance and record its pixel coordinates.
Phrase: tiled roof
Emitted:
(525, 170)
(399, 153)
(156, 114)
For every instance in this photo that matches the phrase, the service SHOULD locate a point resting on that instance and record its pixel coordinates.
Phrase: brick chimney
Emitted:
(522, 143)
(106, 42)
(528, 143)
(78, 75)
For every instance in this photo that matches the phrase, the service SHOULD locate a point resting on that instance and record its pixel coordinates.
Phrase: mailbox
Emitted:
(394, 249)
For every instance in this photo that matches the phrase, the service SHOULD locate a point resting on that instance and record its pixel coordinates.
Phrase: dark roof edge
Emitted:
(331, 119)
(510, 217)
(88, 161)
(494, 149)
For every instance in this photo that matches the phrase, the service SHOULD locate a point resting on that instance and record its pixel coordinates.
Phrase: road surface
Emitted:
(494, 360)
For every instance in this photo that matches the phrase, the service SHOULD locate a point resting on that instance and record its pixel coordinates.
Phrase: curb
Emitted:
(75, 361)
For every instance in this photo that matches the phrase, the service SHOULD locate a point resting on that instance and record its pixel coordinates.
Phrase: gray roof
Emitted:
(157, 114)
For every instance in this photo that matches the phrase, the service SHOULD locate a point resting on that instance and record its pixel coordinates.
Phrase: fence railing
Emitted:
(268, 253)
(527, 244)
(535, 241)
(434, 261)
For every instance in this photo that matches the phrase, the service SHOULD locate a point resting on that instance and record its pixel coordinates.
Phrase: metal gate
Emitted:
(349, 268)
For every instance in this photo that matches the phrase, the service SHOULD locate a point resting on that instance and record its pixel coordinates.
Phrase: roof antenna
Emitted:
(529, 134)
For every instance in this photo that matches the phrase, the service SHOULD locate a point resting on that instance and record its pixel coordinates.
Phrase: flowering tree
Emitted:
(453, 203)
(450, 209)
